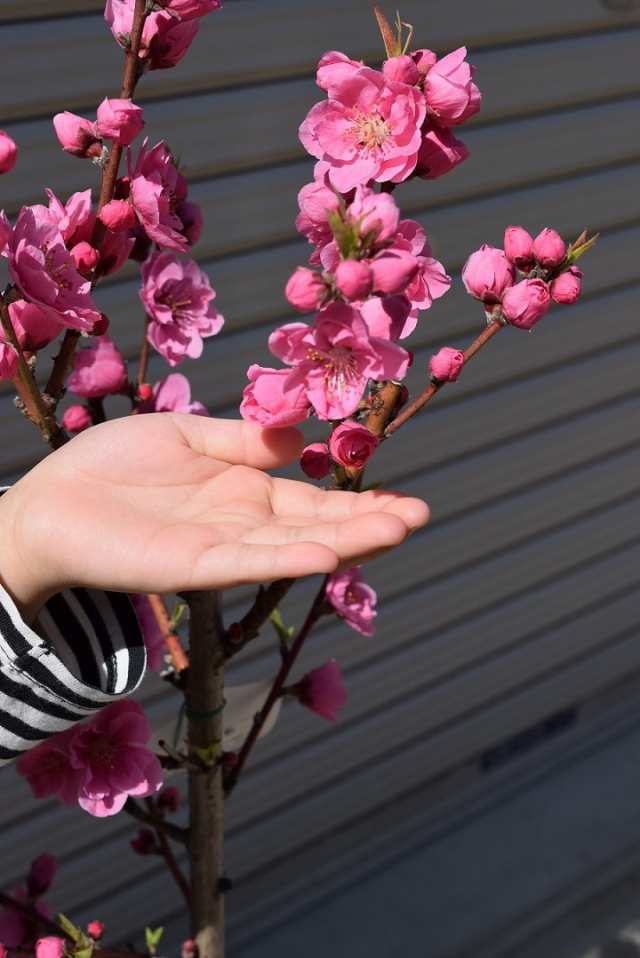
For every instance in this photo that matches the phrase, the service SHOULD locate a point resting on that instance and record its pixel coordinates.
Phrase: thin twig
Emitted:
(143, 361)
(175, 832)
(248, 628)
(167, 853)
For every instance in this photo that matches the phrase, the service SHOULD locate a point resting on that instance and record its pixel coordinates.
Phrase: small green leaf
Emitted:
(210, 754)
(85, 952)
(152, 938)
(71, 930)
(177, 615)
(283, 632)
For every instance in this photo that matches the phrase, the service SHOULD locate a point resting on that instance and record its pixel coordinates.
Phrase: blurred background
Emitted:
(481, 794)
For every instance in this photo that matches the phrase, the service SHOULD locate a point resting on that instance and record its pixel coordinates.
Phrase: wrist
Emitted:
(18, 576)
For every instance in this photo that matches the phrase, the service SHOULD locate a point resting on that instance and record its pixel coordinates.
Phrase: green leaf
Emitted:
(210, 754)
(152, 938)
(71, 930)
(283, 632)
(85, 952)
(177, 615)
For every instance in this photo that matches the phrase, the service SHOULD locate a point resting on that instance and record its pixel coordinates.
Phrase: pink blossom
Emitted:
(178, 298)
(487, 274)
(424, 59)
(430, 282)
(172, 394)
(8, 361)
(85, 257)
(77, 135)
(48, 769)
(95, 929)
(76, 419)
(192, 221)
(270, 400)
(334, 68)
(451, 95)
(518, 246)
(153, 637)
(165, 40)
(566, 287)
(113, 761)
(99, 370)
(375, 213)
(353, 600)
(5, 232)
(75, 218)
(34, 326)
(393, 269)
(314, 460)
(158, 191)
(189, 9)
(526, 303)
(119, 120)
(402, 69)
(8, 153)
(44, 271)
(446, 365)
(322, 691)
(51, 947)
(368, 129)
(42, 872)
(145, 391)
(440, 152)
(549, 248)
(316, 201)
(118, 215)
(335, 358)
(351, 445)
(354, 279)
(389, 317)
(305, 290)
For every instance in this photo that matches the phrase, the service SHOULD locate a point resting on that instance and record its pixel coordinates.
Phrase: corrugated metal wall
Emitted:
(521, 598)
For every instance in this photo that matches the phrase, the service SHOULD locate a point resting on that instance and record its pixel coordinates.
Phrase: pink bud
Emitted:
(439, 153)
(98, 370)
(119, 120)
(188, 949)
(567, 286)
(518, 246)
(393, 270)
(77, 135)
(451, 95)
(169, 800)
(95, 930)
(351, 444)
(144, 843)
(424, 59)
(118, 215)
(549, 248)
(76, 418)
(402, 69)
(314, 460)
(375, 213)
(41, 874)
(487, 273)
(85, 257)
(322, 691)
(354, 279)
(50, 947)
(8, 153)
(446, 364)
(526, 303)
(305, 290)
(145, 391)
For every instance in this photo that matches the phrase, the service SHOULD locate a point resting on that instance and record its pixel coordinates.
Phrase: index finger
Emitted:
(238, 442)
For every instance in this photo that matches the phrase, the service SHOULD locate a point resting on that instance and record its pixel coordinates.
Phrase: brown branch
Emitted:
(435, 385)
(248, 628)
(175, 832)
(179, 657)
(166, 852)
(143, 361)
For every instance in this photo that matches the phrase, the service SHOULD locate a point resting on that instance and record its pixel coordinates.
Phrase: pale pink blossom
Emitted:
(51, 947)
(76, 419)
(549, 248)
(566, 287)
(271, 401)
(351, 444)
(402, 69)
(172, 394)
(85, 257)
(518, 246)
(305, 290)
(98, 370)
(440, 152)
(48, 769)
(151, 633)
(335, 359)
(353, 600)
(354, 279)
(8, 153)
(113, 760)
(158, 191)
(178, 298)
(451, 95)
(368, 129)
(315, 461)
(389, 317)
(118, 215)
(526, 303)
(487, 274)
(119, 120)
(322, 691)
(446, 365)
(43, 269)
(42, 872)
(77, 135)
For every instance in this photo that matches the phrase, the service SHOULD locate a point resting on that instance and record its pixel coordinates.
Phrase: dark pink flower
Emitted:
(169, 800)
(518, 246)
(305, 290)
(178, 298)
(5, 232)
(42, 872)
(8, 153)
(451, 95)
(119, 120)
(315, 461)
(270, 401)
(153, 637)
(440, 152)
(567, 286)
(98, 370)
(144, 842)
(76, 419)
(353, 600)
(172, 394)
(77, 135)
(322, 691)
(48, 769)
(526, 303)
(113, 760)
(549, 248)
(446, 365)
(351, 444)
(16, 931)
(487, 274)
(158, 191)
(368, 129)
(335, 358)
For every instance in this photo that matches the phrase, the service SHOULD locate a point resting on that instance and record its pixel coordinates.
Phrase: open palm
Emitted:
(169, 502)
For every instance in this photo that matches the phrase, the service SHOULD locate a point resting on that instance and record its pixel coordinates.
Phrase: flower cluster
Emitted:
(168, 32)
(98, 764)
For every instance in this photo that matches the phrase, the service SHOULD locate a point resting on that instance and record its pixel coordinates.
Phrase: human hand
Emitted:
(168, 502)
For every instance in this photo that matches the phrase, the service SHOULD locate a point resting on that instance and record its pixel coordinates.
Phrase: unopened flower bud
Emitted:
(403, 69)
(566, 287)
(354, 279)
(393, 270)
(119, 120)
(76, 419)
(446, 364)
(144, 843)
(315, 461)
(95, 930)
(352, 444)
(145, 392)
(118, 215)
(526, 303)
(41, 873)
(549, 248)
(77, 135)
(518, 246)
(52, 947)
(305, 290)
(424, 59)
(169, 800)
(188, 949)
(487, 274)
(8, 153)
(85, 257)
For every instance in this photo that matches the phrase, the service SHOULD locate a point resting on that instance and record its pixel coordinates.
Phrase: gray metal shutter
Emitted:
(520, 600)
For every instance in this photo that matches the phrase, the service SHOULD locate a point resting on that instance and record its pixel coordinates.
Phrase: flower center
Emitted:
(339, 367)
(370, 131)
(103, 752)
(56, 273)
